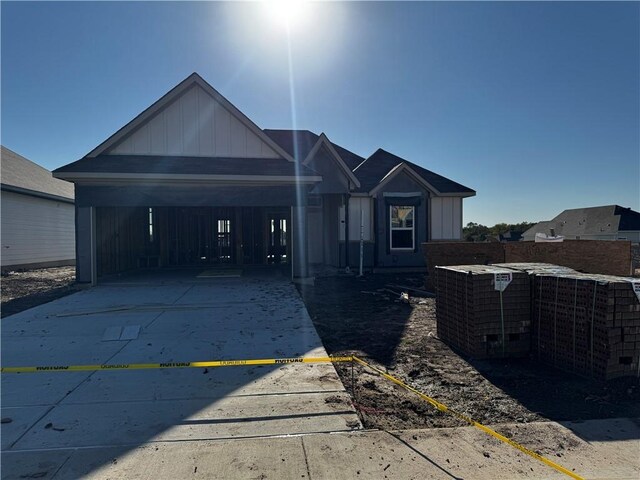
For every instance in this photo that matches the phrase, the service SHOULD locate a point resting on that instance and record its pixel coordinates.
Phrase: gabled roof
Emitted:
(382, 165)
(24, 176)
(299, 144)
(169, 97)
(603, 220)
(136, 166)
(305, 140)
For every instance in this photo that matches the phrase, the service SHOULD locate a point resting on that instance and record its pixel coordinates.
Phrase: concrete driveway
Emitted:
(56, 416)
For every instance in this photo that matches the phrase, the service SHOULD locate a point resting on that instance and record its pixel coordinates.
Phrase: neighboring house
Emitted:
(610, 222)
(510, 236)
(193, 181)
(38, 225)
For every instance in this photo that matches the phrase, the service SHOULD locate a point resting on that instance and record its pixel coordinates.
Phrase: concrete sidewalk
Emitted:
(280, 421)
(231, 318)
(598, 449)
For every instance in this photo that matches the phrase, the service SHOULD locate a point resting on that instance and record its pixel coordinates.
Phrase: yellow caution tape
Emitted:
(281, 361)
(150, 366)
(443, 408)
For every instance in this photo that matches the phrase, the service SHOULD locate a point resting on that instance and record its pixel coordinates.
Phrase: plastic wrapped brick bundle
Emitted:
(484, 311)
(587, 324)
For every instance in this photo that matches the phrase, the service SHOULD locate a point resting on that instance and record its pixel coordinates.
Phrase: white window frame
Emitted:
(412, 228)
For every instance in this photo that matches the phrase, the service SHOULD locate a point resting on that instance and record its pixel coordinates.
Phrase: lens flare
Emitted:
(287, 13)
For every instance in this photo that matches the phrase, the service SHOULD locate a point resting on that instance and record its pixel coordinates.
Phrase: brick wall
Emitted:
(635, 259)
(589, 256)
(443, 254)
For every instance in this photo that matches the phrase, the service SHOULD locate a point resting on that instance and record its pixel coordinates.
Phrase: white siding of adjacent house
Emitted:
(195, 124)
(36, 230)
(446, 218)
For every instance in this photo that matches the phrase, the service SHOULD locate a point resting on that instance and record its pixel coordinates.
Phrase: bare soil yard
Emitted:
(30, 288)
(361, 317)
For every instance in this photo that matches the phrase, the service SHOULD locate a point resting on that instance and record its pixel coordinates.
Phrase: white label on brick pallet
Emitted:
(502, 280)
(636, 289)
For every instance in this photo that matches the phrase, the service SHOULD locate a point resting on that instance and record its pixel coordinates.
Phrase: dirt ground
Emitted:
(27, 289)
(365, 317)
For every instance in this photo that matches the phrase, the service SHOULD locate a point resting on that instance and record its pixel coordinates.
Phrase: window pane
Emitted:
(402, 239)
(401, 217)
(408, 219)
(395, 219)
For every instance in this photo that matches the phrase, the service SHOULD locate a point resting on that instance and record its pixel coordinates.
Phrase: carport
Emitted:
(191, 181)
(129, 238)
(143, 212)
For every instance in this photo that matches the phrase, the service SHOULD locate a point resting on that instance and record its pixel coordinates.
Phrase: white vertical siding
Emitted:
(205, 120)
(173, 130)
(446, 218)
(314, 235)
(195, 124)
(36, 230)
(238, 138)
(356, 205)
(190, 122)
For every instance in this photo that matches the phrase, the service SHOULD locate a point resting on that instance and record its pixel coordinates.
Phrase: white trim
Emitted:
(404, 167)
(402, 229)
(192, 178)
(174, 93)
(395, 171)
(324, 140)
(402, 194)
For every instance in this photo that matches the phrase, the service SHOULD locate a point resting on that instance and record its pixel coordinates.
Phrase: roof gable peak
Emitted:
(203, 102)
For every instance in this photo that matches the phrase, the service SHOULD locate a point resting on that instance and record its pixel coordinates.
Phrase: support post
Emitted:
(299, 255)
(346, 233)
(361, 241)
(86, 245)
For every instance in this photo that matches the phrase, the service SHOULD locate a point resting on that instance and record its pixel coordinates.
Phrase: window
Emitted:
(402, 230)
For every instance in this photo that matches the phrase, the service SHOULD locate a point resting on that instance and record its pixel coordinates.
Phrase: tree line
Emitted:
(476, 232)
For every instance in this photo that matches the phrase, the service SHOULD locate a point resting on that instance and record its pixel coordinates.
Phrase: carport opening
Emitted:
(131, 238)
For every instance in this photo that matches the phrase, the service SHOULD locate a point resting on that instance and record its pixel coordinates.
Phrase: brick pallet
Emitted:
(587, 324)
(474, 318)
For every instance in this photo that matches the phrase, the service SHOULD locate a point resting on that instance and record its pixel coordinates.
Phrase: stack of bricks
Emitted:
(587, 324)
(533, 269)
(474, 317)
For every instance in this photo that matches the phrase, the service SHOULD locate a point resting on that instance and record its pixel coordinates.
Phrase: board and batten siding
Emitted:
(36, 231)
(195, 124)
(446, 218)
(357, 205)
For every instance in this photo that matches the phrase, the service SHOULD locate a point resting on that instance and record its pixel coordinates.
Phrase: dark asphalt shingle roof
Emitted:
(297, 143)
(606, 219)
(351, 159)
(378, 165)
(305, 141)
(19, 172)
(184, 165)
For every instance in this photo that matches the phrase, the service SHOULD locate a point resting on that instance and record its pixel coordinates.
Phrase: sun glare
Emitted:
(287, 13)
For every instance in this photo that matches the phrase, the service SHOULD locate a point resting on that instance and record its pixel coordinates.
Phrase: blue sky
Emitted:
(534, 105)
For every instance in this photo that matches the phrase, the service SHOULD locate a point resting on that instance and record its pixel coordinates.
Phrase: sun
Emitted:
(287, 13)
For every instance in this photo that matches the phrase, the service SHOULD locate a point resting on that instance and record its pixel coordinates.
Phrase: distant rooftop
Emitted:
(20, 173)
(590, 221)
